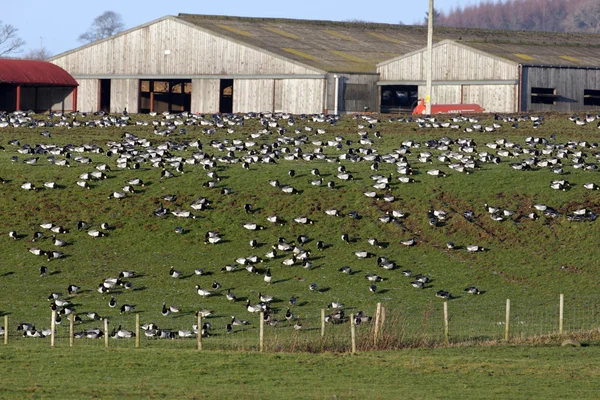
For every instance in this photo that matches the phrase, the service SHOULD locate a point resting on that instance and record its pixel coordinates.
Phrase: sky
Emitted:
(57, 24)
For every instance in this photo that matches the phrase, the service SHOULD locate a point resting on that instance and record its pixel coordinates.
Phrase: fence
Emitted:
(324, 330)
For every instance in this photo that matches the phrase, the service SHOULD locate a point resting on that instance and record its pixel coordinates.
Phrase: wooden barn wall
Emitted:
(205, 95)
(442, 94)
(299, 96)
(42, 99)
(450, 62)
(191, 52)
(348, 103)
(87, 95)
(253, 95)
(569, 83)
(493, 98)
(124, 93)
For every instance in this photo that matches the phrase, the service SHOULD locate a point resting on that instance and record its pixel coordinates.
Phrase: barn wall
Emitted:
(356, 91)
(450, 62)
(205, 95)
(253, 95)
(191, 51)
(42, 99)
(298, 96)
(87, 95)
(569, 83)
(492, 98)
(124, 94)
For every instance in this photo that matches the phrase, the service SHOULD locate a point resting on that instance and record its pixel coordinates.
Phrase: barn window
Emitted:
(591, 97)
(543, 95)
(169, 95)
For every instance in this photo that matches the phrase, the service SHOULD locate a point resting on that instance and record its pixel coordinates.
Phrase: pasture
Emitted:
(530, 261)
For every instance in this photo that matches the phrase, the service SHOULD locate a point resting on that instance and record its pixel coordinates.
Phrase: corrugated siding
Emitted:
(191, 52)
(205, 95)
(253, 95)
(87, 95)
(124, 94)
(493, 98)
(450, 62)
(569, 83)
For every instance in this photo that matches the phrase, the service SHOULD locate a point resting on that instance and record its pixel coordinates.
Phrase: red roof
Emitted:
(34, 72)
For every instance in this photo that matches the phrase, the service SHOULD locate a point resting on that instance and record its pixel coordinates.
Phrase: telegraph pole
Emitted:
(429, 65)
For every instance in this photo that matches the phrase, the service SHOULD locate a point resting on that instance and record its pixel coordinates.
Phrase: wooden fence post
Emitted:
(377, 320)
(322, 322)
(137, 330)
(199, 346)
(446, 333)
(353, 333)
(507, 322)
(6, 329)
(561, 310)
(261, 331)
(105, 332)
(382, 317)
(71, 329)
(52, 327)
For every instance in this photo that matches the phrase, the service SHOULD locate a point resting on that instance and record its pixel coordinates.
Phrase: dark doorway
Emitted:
(399, 98)
(105, 95)
(226, 96)
(172, 96)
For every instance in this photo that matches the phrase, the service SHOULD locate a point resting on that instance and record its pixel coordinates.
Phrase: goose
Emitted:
(54, 255)
(13, 235)
(436, 172)
(345, 238)
(230, 295)
(472, 290)
(268, 277)
(112, 303)
(96, 233)
(125, 308)
(331, 184)
(117, 195)
(265, 298)
(345, 270)
(591, 186)
(288, 189)
(58, 229)
(43, 271)
(83, 184)
(251, 308)
(36, 236)
(312, 286)
(374, 242)
(165, 310)
(332, 212)
(362, 254)
(215, 285)
(73, 289)
(374, 278)
(275, 220)
(238, 322)
(450, 245)
(203, 292)
(289, 315)
(408, 242)
(229, 268)
(373, 288)
(252, 226)
(443, 294)
(126, 274)
(474, 248)
(418, 284)
(173, 273)
(204, 312)
(407, 273)
(335, 305)
(28, 186)
(289, 261)
(298, 325)
(50, 185)
(253, 243)
(303, 220)
(37, 252)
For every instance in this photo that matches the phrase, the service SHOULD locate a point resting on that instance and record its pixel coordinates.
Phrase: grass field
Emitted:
(515, 372)
(530, 262)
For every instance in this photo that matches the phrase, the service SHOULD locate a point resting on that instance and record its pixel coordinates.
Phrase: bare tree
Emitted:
(38, 54)
(10, 43)
(107, 24)
(585, 18)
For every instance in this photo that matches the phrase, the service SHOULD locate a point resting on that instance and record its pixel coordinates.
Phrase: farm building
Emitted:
(212, 64)
(502, 72)
(36, 85)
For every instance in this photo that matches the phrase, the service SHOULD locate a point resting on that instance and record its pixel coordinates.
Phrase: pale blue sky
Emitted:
(58, 23)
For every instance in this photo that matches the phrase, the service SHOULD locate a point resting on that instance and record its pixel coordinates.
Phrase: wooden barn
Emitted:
(229, 64)
(500, 71)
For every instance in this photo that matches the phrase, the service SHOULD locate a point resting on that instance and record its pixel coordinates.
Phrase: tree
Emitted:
(586, 18)
(436, 15)
(38, 54)
(10, 43)
(105, 25)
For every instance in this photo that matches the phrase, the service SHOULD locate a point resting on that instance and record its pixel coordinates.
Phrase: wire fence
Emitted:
(318, 331)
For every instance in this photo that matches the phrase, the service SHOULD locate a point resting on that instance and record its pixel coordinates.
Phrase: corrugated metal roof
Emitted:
(359, 47)
(34, 72)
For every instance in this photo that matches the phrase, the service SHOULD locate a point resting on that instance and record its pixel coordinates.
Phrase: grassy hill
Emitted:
(529, 261)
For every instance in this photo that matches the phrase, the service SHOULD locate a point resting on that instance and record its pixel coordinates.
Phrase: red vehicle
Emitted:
(447, 108)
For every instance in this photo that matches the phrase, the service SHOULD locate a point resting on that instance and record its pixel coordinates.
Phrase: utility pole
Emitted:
(429, 64)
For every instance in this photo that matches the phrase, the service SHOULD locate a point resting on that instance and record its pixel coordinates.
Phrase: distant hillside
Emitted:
(530, 15)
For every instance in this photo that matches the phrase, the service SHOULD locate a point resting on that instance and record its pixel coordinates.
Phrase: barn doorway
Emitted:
(226, 96)
(104, 95)
(399, 98)
(160, 96)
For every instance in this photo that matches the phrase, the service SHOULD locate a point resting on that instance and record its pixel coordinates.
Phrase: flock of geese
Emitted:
(280, 138)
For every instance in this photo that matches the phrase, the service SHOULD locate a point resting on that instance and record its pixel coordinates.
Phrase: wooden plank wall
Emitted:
(124, 94)
(253, 95)
(569, 83)
(191, 52)
(346, 105)
(87, 95)
(493, 98)
(300, 96)
(450, 62)
(205, 95)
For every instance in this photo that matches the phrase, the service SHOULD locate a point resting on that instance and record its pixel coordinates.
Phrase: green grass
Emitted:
(523, 261)
(516, 372)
